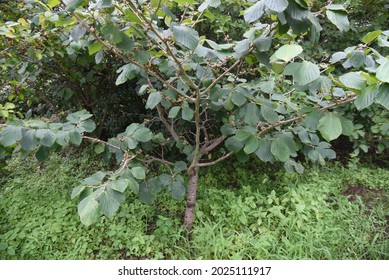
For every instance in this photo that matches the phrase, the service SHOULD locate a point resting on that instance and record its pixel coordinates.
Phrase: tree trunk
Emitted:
(191, 199)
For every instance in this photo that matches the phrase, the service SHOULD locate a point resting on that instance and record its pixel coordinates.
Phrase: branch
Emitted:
(117, 53)
(167, 125)
(100, 141)
(204, 164)
(164, 41)
(345, 101)
(210, 145)
(215, 81)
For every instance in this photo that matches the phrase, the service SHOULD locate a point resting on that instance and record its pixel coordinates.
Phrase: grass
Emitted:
(249, 211)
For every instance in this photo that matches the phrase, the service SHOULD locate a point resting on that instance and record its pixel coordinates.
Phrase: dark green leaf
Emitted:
(233, 144)
(99, 148)
(42, 154)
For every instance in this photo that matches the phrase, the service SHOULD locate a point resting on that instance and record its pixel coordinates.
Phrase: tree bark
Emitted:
(191, 199)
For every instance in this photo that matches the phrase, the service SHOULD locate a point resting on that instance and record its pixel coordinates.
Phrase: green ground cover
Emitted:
(244, 211)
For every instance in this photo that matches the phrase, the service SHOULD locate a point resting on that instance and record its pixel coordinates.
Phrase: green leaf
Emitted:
(262, 43)
(252, 145)
(111, 33)
(286, 52)
(353, 80)
(186, 36)
(143, 134)
(238, 99)
(53, 3)
(382, 73)
(251, 116)
(255, 12)
(104, 4)
(42, 154)
(187, 113)
(88, 125)
(339, 18)
(264, 151)
(277, 5)
(280, 149)
(179, 166)
(269, 114)
(146, 194)
(10, 135)
(366, 98)
(383, 95)
(178, 190)
(233, 144)
(95, 179)
(153, 100)
(75, 137)
(227, 130)
(77, 190)
(347, 126)
(94, 48)
(29, 141)
(62, 138)
(128, 72)
(46, 137)
(330, 127)
(138, 172)
(119, 185)
(108, 203)
(89, 210)
(210, 3)
(174, 112)
(72, 5)
(133, 185)
(371, 36)
(99, 148)
(306, 73)
(243, 135)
